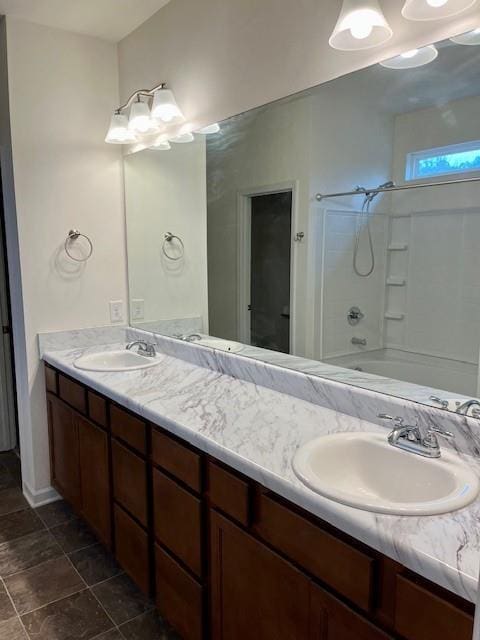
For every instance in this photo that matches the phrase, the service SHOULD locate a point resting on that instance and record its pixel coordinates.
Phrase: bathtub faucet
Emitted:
(360, 341)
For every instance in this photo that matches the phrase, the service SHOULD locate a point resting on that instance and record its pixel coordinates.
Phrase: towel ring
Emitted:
(73, 235)
(168, 237)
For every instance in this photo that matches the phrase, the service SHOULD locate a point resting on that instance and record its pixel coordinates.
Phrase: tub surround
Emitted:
(253, 416)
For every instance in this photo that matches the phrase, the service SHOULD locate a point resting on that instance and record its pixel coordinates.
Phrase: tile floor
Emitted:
(57, 582)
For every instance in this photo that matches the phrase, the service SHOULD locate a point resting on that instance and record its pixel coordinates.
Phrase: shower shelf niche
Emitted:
(396, 282)
(397, 246)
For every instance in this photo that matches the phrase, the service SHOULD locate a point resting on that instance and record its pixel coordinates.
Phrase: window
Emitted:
(456, 158)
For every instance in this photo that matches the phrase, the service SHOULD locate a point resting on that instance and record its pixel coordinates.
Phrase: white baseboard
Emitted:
(39, 498)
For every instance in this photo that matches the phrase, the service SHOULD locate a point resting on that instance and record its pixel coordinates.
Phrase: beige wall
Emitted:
(225, 56)
(62, 88)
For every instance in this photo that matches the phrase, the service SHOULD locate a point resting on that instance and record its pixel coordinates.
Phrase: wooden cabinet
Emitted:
(255, 593)
(263, 568)
(331, 619)
(95, 479)
(64, 450)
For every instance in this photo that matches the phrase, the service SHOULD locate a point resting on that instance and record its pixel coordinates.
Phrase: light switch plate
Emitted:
(116, 310)
(138, 309)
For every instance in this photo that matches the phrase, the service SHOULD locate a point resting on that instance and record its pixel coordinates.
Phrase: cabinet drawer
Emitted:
(180, 461)
(73, 393)
(130, 481)
(97, 409)
(229, 493)
(179, 597)
(333, 620)
(343, 567)
(51, 380)
(128, 428)
(422, 615)
(177, 517)
(131, 549)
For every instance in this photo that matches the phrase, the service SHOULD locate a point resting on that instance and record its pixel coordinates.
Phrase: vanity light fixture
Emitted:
(143, 121)
(361, 25)
(209, 130)
(412, 59)
(118, 132)
(183, 138)
(471, 38)
(434, 9)
(161, 146)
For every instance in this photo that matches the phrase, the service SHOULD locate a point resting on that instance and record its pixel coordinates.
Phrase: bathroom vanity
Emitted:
(224, 556)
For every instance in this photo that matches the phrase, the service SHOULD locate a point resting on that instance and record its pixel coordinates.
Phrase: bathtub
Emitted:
(428, 371)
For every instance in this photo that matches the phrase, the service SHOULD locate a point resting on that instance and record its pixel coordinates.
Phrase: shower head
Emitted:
(370, 195)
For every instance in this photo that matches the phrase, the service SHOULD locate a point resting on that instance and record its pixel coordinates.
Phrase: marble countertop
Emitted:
(257, 431)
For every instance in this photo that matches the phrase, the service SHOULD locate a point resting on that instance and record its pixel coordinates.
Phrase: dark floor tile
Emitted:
(6, 608)
(45, 583)
(148, 626)
(19, 524)
(73, 535)
(23, 553)
(95, 564)
(12, 630)
(55, 513)
(12, 500)
(9, 459)
(121, 598)
(78, 617)
(7, 481)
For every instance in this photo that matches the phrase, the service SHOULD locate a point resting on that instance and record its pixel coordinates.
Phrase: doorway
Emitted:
(270, 270)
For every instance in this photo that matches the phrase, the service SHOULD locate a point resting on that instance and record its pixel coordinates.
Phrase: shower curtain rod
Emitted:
(359, 191)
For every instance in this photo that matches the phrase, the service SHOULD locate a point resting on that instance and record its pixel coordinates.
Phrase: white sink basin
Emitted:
(223, 345)
(364, 471)
(121, 360)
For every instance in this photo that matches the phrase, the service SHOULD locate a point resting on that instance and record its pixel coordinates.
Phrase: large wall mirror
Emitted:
(336, 231)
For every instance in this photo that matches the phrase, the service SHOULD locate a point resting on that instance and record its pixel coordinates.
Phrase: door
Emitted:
(270, 256)
(255, 593)
(94, 478)
(64, 450)
(333, 620)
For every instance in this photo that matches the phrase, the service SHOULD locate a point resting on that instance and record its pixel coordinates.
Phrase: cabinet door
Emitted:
(64, 450)
(95, 478)
(255, 593)
(334, 620)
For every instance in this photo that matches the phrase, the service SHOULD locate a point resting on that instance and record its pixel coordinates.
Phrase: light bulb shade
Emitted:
(471, 38)
(212, 128)
(161, 146)
(118, 132)
(165, 107)
(183, 138)
(361, 25)
(140, 121)
(412, 59)
(434, 9)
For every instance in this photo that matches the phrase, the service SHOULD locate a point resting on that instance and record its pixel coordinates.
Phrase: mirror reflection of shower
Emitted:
(365, 217)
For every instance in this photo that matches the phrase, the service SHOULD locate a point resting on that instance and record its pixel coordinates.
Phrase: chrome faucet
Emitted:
(414, 438)
(144, 348)
(359, 341)
(463, 408)
(191, 337)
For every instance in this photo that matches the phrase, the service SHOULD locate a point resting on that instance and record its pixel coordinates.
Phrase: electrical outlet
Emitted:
(116, 310)
(138, 309)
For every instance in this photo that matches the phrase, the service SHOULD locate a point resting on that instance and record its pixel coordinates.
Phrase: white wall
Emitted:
(223, 57)
(62, 88)
(165, 191)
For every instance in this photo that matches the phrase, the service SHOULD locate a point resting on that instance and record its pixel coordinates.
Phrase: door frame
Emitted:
(244, 233)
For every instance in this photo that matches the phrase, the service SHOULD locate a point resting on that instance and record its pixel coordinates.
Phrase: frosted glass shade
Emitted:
(434, 9)
(471, 38)
(361, 25)
(165, 107)
(118, 132)
(183, 138)
(212, 128)
(411, 59)
(140, 121)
